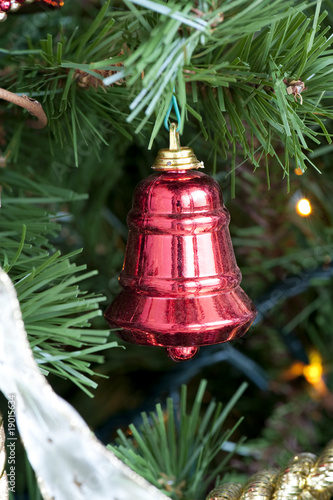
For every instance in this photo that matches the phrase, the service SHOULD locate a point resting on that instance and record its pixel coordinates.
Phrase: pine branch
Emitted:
(175, 449)
(56, 313)
(230, 65)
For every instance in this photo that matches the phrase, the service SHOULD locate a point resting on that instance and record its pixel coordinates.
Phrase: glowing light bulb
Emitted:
(298, 171)
(303, 207)
(313, 373)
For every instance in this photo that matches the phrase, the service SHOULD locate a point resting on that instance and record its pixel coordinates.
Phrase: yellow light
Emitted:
(298, 171)
(303, 207)
(314, 371)
(295, 370)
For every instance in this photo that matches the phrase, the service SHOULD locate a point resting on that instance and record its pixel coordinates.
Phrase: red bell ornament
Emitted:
(180, 279)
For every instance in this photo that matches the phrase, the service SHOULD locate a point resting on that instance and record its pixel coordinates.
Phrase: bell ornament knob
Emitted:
(181, 353)
(176, 157)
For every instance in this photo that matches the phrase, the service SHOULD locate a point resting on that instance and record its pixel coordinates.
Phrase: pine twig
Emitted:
(174, 449)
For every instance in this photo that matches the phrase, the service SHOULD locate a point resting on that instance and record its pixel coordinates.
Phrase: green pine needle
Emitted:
(229, 81)
(56, 313)
(175, 449)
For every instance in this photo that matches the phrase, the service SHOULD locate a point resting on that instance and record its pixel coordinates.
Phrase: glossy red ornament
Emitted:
(180, 278)
(5, 5)
(14, 5)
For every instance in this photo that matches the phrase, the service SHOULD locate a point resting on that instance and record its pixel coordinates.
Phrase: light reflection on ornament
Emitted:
(303, 207)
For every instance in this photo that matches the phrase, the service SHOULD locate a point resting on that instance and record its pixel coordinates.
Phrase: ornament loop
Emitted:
(174, 104)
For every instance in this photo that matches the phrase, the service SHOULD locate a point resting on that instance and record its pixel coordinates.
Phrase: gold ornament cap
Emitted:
(176, 158)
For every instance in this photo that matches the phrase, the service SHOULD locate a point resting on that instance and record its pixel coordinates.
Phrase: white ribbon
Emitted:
(70, 463)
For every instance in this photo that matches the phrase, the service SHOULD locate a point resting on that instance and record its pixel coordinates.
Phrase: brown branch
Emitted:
(31, 105)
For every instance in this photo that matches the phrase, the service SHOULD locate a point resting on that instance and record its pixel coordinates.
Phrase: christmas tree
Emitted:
(250, 84)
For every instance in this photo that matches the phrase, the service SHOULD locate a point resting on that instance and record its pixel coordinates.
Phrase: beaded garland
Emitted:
(14, 5)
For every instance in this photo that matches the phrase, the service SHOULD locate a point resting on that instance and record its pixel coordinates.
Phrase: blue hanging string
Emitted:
(174, 104)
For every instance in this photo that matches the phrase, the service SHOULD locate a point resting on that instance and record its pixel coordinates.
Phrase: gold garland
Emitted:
(3, 475)
(305, 477)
